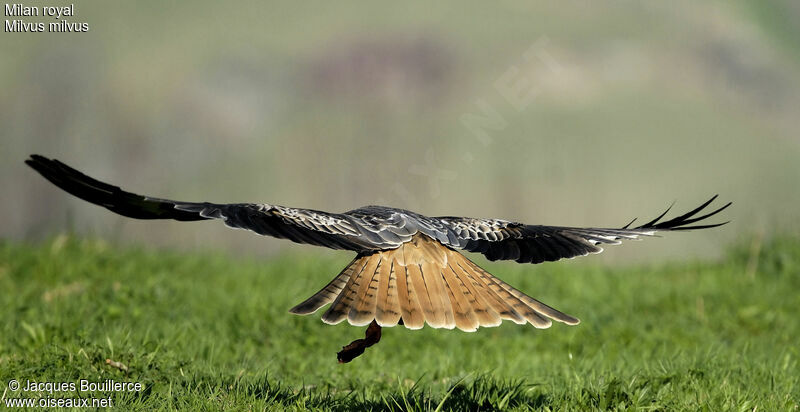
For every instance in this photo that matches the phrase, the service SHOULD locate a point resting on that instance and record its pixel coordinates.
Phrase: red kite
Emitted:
(408, 269)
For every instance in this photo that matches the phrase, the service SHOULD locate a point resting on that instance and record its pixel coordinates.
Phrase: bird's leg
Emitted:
(357, 347)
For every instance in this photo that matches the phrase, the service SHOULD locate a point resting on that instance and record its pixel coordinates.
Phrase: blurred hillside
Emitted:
(581, 114)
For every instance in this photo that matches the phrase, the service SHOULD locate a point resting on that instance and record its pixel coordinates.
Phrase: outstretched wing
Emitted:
(337, 231)
(505, 240)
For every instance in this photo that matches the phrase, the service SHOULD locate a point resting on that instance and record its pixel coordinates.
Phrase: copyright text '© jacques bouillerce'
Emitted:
(19, 21)
(83, 385)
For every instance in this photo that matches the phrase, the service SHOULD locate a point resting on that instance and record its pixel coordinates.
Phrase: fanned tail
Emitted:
(423, 281)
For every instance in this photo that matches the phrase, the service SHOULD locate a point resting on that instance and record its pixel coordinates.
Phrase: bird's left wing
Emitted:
(505, 240)
(337, 231)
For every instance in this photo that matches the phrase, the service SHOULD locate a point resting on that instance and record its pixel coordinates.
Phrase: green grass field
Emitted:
(212, 332)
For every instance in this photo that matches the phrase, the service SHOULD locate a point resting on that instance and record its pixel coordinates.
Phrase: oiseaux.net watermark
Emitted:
(81, 393)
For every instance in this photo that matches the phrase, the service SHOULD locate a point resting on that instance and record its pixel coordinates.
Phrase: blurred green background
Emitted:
(626, 106)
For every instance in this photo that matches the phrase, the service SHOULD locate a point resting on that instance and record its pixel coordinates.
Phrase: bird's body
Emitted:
(408, 269)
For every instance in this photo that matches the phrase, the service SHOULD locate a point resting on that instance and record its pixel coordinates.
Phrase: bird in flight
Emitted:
(408, 268)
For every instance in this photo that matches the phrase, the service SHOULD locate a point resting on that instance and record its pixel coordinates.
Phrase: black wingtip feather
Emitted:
(659, 216)
(630, 223)
(103, 194)
(681, 222)
(700, 226)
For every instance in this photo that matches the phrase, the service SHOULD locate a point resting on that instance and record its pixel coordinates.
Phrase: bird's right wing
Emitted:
(337, 231)
(505, 240)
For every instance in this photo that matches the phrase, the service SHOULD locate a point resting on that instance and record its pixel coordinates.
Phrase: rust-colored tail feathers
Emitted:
(424, 281)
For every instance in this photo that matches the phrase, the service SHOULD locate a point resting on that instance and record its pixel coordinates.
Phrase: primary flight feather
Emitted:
(408, 269)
